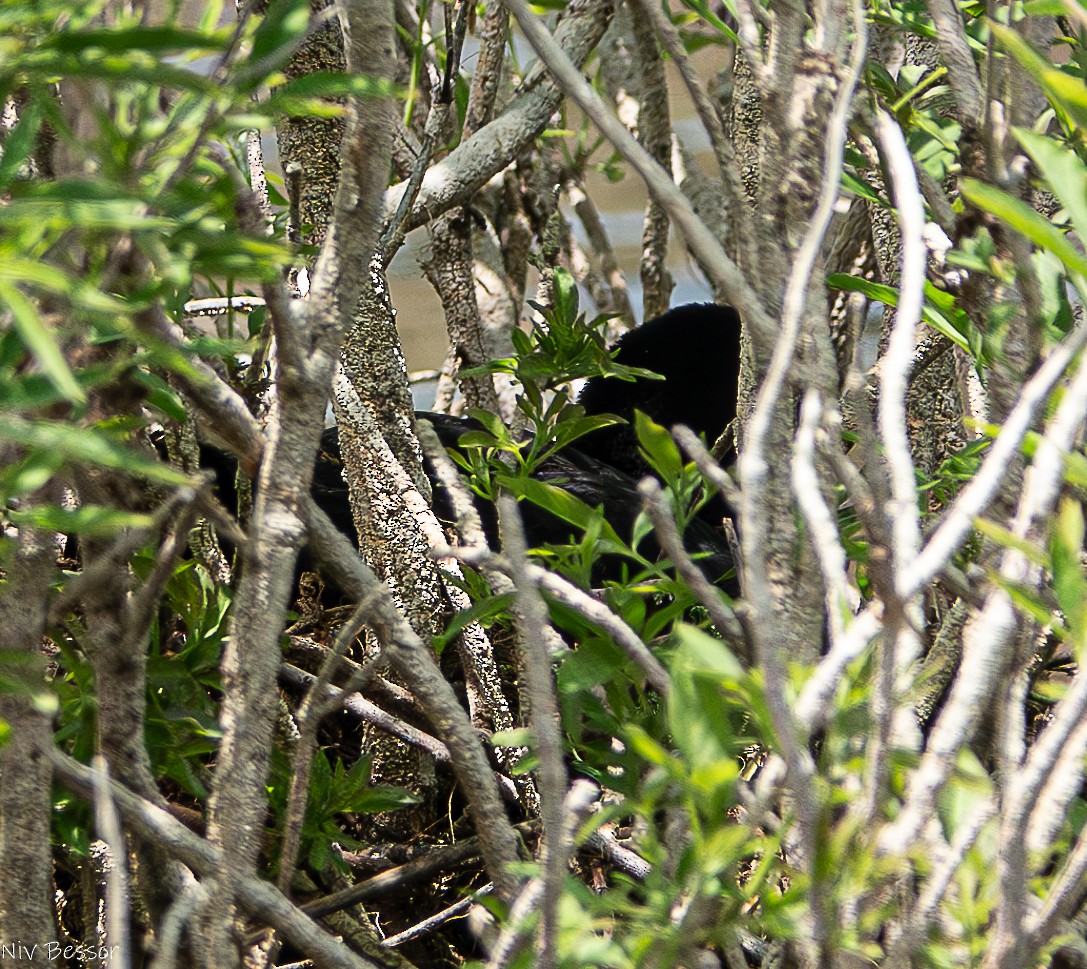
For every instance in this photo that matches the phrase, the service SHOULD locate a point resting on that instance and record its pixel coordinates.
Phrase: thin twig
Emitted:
(958, 521)
(704, 591)
(438, 918)
(108, 824)
(724, 273)
(369, 712)
(156, 826)
(544, 719)
(809, 495)
(317, 703)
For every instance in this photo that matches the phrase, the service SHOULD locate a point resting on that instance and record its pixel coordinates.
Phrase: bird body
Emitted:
(696, 350)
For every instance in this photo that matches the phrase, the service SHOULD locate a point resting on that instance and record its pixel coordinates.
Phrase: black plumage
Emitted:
(696, 348)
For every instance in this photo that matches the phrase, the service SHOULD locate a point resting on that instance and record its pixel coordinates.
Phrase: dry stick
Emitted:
(368, 711)
(154, 825)
(894, 380)
(916, 921)
(814, 703)
(393, 237)
(308, 337)
(627, 861)
(753, 469)
(707, 111)
(577, 599)
(598, 239)
(476, 160)
(216, 306)
(958, 522)
(900, 645)
(987, 636)
(185, 905)
(956, 56)
(411, 872)
(723, 272)
(705, 592)
(1062, 899)
(707, 465)
(579, 800)
(438, 918)
(130, 541)
(109, 829)
(414, 661)
(833, 560)
(314, 707)
(596, 612)
(1042, 485)
(1064, 783)
(544, 719)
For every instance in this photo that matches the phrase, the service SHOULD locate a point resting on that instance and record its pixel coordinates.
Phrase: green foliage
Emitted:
(335, 790)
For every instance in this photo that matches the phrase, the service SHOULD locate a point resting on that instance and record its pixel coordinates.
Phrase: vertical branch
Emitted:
(308, 349)
(544, 714)
(26, 900)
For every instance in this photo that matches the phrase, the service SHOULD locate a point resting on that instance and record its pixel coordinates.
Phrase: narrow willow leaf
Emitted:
(39, 341)
(1025, 220)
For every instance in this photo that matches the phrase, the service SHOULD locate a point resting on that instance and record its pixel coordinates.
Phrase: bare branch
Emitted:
(972, 500)
(154, 825)
(724, 273)
(414, 661)
(544, 718)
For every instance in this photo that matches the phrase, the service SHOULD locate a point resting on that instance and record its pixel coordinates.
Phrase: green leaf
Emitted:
(39, 341)
(1063, 170)
(119, 69)
(1075, 469)
(92, 521)
(481, 612)
(699, 712)
(565, 295)
(492, 422)
(159, 39)
(931, 313)
(281, 30)
(560, 503)
(1021, 217)
(327, 84)
(161, 395)
(1068, 93)
(710, 17)
(1065, 543)
(659, 447)
(1008, 539)
(91, 445)
(19, 142)
(699, 651)
(514, 737)
(862, 189)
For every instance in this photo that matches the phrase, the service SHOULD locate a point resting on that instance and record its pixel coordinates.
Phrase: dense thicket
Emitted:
(805, 693)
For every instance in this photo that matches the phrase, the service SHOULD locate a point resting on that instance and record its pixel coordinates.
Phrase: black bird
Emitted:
(696, 348)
